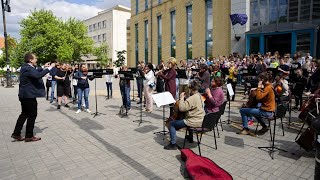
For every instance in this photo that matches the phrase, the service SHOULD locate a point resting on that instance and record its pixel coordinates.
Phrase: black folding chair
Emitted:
(210, 121)
(222, 108)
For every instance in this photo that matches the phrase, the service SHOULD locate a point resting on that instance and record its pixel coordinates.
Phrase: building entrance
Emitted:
(278, 42)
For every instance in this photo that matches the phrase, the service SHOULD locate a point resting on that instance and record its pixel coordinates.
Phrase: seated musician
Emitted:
(214, 96)
(194, 108)
(264, 95)
(281, 86)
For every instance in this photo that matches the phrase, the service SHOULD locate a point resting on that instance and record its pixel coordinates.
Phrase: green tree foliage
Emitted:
(12, 45)
(121, 59)
(102, 53)
(46, 35)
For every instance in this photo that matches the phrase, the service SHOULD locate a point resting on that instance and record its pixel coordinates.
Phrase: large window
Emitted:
(146, 37)
(173, 33)
(305, 6)
(137, 43)
(254, 13)
(316, 10)
(159, 38)
(293, 10)
(137, 6)
(263, 12)
(209, 27)
(90, 28)
(104, 24)
(283, 11)
(94, 27)
(146, 4)
(99, 25)
(99, 38)
(104, 37)
(273, 11)
(189, 32)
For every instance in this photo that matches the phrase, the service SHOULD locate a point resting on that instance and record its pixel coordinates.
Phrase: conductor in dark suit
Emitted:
(31, 86)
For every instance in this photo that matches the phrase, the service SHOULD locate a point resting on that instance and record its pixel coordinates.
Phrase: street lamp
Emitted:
(6, 7)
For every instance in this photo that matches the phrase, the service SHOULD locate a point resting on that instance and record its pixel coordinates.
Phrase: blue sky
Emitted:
(79, 9)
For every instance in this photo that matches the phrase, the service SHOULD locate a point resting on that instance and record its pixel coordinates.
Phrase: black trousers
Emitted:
(298, 99)
(233, 84)
(29, 112)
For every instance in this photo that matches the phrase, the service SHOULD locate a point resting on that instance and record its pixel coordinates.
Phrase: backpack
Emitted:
(202, 168)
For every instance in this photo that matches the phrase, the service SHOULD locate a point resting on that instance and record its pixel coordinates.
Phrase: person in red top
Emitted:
(265, 95)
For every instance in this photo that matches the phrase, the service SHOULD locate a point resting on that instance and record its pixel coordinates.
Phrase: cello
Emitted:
(176, 115)
(252, 101)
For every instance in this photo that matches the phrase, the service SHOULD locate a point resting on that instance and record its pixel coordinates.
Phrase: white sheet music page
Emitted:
(230, 90)
(162, 99)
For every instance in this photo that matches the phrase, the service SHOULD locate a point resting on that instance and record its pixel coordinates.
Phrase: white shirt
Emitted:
(108, 78)
(150, 78)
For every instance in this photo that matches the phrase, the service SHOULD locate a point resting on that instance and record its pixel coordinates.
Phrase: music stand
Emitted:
(125, 75)
(133, 71)
(231, 93)
(94, 74)
(163, 99)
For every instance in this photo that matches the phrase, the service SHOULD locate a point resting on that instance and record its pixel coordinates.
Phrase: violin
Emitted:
(252, 101)
(176, 115)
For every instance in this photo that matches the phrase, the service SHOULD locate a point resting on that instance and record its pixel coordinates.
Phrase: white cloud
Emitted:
(22, 8)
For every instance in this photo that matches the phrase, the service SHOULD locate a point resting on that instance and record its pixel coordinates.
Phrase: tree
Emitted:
(47, 36)
(121, 59)
(12, 45)
(102, 54)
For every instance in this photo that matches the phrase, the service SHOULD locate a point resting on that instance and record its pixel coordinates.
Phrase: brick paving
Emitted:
(78, 146)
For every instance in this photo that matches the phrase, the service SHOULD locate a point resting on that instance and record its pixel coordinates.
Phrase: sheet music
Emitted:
(230, 90)
(162, 99)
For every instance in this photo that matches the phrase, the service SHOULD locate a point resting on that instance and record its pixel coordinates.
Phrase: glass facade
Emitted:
(146, 37)
(146, 4)
(209, 28)
(159, 19)
(137, 6)
(189, 32)
(137, 43)
(173, 33)
(266, 12)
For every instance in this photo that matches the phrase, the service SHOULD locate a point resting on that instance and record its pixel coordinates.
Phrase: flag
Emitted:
(238, 18)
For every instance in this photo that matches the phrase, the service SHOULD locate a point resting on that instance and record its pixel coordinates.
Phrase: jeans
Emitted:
(85, 93)
(109, 89)
(75, 92)
(175, 125)
(125, 94)
(53, 86)
(255, 112)
(29, 112)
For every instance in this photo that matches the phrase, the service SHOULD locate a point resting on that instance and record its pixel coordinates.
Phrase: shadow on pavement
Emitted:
(88, 126)
(146, 129)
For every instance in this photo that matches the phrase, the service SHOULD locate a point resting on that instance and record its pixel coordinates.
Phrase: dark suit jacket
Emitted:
(31, 83)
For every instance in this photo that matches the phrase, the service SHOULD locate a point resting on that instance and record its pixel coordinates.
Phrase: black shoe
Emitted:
(263, 130)
(54, 98)
(67, 106)
(139, 102)
(171, 147)
(189, 138)
(58, 107)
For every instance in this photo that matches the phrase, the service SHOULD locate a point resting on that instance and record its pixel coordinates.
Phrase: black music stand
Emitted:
(94, 74)
(163, 99)
(133, 71)
(107, 72)
(124, 76)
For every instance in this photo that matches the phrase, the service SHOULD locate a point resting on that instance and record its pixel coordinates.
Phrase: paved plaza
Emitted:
(78, 146)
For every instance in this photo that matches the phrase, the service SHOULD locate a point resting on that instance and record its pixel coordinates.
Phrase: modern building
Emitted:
(239, 45)
(110, 27)
(184, 29)
(287, 26)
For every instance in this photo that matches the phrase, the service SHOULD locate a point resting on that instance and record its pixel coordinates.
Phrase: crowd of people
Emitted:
(195, 84)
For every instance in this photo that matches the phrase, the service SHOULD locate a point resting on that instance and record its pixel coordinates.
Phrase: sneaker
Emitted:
(78, 111)
(263, 130)
(58, 107)
(171, 147)
(88, 111)
(250, 122)
(129, 110)
(67, 106)
(244, 132)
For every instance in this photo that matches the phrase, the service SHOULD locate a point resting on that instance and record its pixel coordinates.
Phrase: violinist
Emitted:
(204, 77)
(125, 90)
(264, 95)
(281, 87)
(299, 84)
(63, 85)
(83, 87)
(194, 108)
(214, 96)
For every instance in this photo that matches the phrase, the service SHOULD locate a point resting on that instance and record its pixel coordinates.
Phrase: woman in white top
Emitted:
(109, 84)
(149, 85)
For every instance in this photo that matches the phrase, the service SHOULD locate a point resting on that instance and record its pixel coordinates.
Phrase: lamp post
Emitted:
(6, 7)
